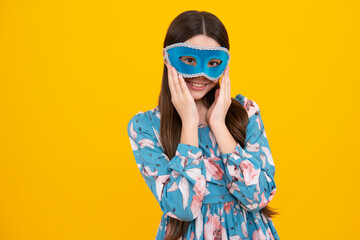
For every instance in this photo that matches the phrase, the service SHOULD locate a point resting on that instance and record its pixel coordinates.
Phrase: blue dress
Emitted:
(220, 194)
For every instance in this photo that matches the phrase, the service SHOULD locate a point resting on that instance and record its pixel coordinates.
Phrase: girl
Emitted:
(208, 161)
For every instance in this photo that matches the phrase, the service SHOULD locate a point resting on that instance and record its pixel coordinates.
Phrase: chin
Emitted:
(198, 96)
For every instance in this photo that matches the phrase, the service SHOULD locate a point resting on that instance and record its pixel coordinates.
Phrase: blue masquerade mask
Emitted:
(202, 55)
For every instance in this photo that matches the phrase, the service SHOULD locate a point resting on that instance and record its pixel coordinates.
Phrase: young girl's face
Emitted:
(204, 85)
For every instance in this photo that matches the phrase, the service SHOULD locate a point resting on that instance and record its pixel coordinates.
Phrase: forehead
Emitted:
(203, 41)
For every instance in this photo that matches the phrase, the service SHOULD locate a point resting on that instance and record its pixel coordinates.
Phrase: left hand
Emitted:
(217, 112)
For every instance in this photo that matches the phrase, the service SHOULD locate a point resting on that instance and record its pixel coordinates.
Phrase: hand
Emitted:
(182, 98)
(217, 112)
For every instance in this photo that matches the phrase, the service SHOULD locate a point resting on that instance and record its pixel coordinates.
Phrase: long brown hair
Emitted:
(185, 26)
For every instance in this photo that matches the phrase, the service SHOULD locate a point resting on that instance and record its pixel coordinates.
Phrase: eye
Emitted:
(214, 62)
(188, 60)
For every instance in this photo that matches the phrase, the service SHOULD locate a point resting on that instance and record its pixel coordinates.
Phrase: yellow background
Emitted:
(73, 73)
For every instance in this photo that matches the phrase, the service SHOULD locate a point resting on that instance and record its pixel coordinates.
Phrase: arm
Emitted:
(250, 172)
(178, 184)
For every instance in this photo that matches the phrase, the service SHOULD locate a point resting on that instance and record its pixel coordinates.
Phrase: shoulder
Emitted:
(250, 105)
(142, 121)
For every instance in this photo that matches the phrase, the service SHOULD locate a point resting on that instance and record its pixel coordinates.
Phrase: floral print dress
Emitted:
(220, 194)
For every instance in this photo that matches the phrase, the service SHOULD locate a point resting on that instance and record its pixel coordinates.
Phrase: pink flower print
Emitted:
(213, 156)
(258, 120)
(263, 201)
(160, 182)
(170, 214)
(235, 237)
(213, 228)
(192, 236)
(264, 218)
(256, 193)
(213, 170)
(268, 155)
(252, 147)
(146, 143)
(133, 137)
(227, 206)
(196, 204)
(258, 235)
(200, 185)
(147, 171)
(251, 107)
(197, 157)
(272, 194)
(212, 139)
(251, 175)
(235, 173)
(199, 225)
(233, 187)
(269, 234)
(199, 189)
(244, 229)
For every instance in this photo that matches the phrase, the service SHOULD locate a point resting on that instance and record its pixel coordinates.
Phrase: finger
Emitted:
(222, 86)
(176, 81)
(171, 82)
(227, 83)
(217, 91)
(184, 88)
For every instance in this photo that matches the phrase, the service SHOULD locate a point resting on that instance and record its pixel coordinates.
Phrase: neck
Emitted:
(202, 110)
(199, 104)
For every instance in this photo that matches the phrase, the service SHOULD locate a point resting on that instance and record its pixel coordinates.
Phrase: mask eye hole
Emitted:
(214, 62)
(188, 60)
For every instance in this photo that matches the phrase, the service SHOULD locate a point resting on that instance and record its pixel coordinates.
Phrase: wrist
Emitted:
(190, 125)
(189, 134)
(217, 124)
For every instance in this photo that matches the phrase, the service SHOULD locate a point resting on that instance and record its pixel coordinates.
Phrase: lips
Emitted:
(194, 87)
(198, 82)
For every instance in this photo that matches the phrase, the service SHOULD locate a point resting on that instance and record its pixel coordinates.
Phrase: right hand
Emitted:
(181, 98)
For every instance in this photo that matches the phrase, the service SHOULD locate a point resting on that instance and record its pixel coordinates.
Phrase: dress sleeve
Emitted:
(178, 184)
(250, 171)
